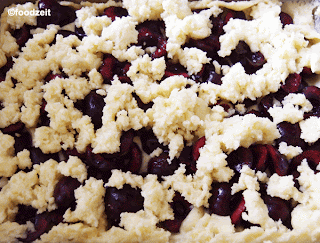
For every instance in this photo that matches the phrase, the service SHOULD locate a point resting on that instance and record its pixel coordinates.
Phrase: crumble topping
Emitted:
(52, 74)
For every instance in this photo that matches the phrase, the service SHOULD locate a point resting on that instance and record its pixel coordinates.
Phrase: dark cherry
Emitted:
(149, 141)
(312, 93)
(136, 159)
(237, 207)
(150, 33)
(161, 50)
(315, 146)
(65, 33)
(265, 104)
(292, 83)
(280, 94)
(59, 15)
(210, 44)
(219, 202)
(181, 209)
(93, 106)
(186, 157)
(74, 152)
(306, 72)
(228, 14)
(4, 69)
(160, 166)
(209, 75)
(100, 162)
(43, 223)
(142, 105)
(64, 191)
(44, 119)
(107, 68)
(98, 174)
(37, 156)
(52, 76)
(25, 213)
(126, 141)
(175, 69)
(279, 162)
(313, 159)
(23, 141)
(217, 25)
(253, 62)
(240, 157)
(290, 133)
(278, 209)
(113, 12)
(122, 200)
(13, 128)
(285, 19)
(199, 144)
(22, 35)
(260, 156)
(242, 48)
(80, 32)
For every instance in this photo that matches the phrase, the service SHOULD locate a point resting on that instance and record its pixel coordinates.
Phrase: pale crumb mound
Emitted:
(143, 10)
(292, 109)
(306, 215)
(142, 226)
(247, 180)
(9, 45)
(30, 111)
(212, 161)
(94, 25)
(178, 30)
(283, 187)
(85, 13)
(37, 47)
(145, 66)
(177, 118)
(10, 231)
(7, 155)
(193, 189)
(243, 131)
(201, 227)
(157, 198)
(17, 21)
(119, 178)
(310, 129)
(300, 11)
(256, 210)
(37, 191)
(121, 112)
(69, 54)
(289, 151)
(193, 59)
(121, 32)
(90, 204)
(74, 167)
(47, 139)
(180, 8)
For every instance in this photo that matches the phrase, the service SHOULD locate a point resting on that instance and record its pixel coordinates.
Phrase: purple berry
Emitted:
(122, 200)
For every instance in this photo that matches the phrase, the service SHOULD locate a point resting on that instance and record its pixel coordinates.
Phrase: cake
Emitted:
(160, 121)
